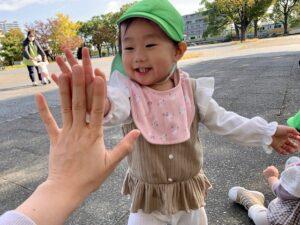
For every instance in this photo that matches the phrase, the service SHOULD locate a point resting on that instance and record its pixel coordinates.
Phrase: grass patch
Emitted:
(14, 67)
(191, 55)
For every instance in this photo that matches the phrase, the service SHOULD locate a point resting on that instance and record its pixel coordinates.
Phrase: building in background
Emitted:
(194, 27)
(6, 26)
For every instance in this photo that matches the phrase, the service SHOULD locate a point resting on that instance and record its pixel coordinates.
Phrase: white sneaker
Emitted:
(34, 84)
(246, 197)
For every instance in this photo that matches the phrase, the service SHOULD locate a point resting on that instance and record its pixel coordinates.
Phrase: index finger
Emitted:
(62, 65)
(70, 57)
(98, 104)
(87, 66)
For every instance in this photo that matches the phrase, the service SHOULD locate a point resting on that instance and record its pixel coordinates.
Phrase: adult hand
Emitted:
(285, 140)
(87, 69)
(78, 161)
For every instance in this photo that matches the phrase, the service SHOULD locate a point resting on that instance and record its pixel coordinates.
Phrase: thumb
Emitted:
(123, 148)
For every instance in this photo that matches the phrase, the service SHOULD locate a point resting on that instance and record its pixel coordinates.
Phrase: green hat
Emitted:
(117, 64)
(294, 121)
(161, 12)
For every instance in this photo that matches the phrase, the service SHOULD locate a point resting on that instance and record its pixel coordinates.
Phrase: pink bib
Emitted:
(163, 117)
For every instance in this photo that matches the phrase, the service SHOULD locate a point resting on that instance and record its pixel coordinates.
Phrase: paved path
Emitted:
(264, 82)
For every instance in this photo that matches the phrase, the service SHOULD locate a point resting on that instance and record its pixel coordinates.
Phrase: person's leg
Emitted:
(31, 75)
(197, 217)
(146, 219)
(258, 214)
(39, 73)
(253, 200)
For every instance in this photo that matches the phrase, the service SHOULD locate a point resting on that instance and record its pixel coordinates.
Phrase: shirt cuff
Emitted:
(267, 139)
(15, 218)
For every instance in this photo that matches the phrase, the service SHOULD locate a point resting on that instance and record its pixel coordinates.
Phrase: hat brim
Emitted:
(291, 122)
(165, 26)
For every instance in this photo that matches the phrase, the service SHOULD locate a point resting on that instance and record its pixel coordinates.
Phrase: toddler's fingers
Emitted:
(100, 73)
(87, 65)
(78, 97)
(46, 116)
(98, 105)
(55, 78)
(66, 100)
(63, 66)
(70, 57)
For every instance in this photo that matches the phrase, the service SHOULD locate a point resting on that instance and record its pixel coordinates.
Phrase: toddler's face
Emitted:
(148, 54)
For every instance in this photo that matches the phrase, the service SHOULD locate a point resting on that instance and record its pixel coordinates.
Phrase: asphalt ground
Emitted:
(254, 79)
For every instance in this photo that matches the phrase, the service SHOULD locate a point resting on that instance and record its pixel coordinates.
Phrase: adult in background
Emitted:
(31, 49)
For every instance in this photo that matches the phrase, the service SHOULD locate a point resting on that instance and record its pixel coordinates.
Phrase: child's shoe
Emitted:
(44, 81)
(246, 197)
(34, 84)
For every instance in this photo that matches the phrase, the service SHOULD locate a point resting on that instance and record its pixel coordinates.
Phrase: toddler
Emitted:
(165, 178)
(43, 69)
(285, 208)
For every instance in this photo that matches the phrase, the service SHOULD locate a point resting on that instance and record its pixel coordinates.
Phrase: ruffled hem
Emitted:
(167, 198)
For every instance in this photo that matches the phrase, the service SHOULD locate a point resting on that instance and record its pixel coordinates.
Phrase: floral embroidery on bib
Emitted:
(163, 117)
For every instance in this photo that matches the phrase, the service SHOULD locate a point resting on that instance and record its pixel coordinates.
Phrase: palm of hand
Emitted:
(282, 140)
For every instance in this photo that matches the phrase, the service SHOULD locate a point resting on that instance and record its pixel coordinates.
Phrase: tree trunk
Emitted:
(243, 33)
(99, 50)
(237, 32)
(255, 28)
(107, 47)
(286, 23)
(112, 49)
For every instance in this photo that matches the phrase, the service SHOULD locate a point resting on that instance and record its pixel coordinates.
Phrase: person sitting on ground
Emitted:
(285, 208)
(42, 65)
(78, 161)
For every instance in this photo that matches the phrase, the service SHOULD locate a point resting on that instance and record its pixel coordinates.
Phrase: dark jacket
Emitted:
(26, 49)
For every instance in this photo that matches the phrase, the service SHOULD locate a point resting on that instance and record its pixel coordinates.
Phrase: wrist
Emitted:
(51, 203)
(272, 180)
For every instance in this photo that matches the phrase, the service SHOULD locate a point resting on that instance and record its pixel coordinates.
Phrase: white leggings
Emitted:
(258, 214)
(195, 217)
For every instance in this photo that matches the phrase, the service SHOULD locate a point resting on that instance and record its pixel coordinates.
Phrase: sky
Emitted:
(27, 11)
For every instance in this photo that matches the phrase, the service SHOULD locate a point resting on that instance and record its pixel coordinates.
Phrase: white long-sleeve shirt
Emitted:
(15, 218)
(255, 131)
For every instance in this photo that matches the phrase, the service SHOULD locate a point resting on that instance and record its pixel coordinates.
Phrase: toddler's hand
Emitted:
(271, 171)
(88, 73)
(282, 140)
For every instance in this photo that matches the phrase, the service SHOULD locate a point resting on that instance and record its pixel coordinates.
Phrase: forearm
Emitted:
(255, 131)
(118, 106)
(51, 204)
(271, 181)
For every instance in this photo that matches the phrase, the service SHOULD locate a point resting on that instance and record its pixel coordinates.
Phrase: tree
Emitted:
(63, 34)
(42, 31)
(92, 31)
(102, 30)
(295, 16)
(217, 22)
(243, 12)
(12, 47)
(283, 11)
